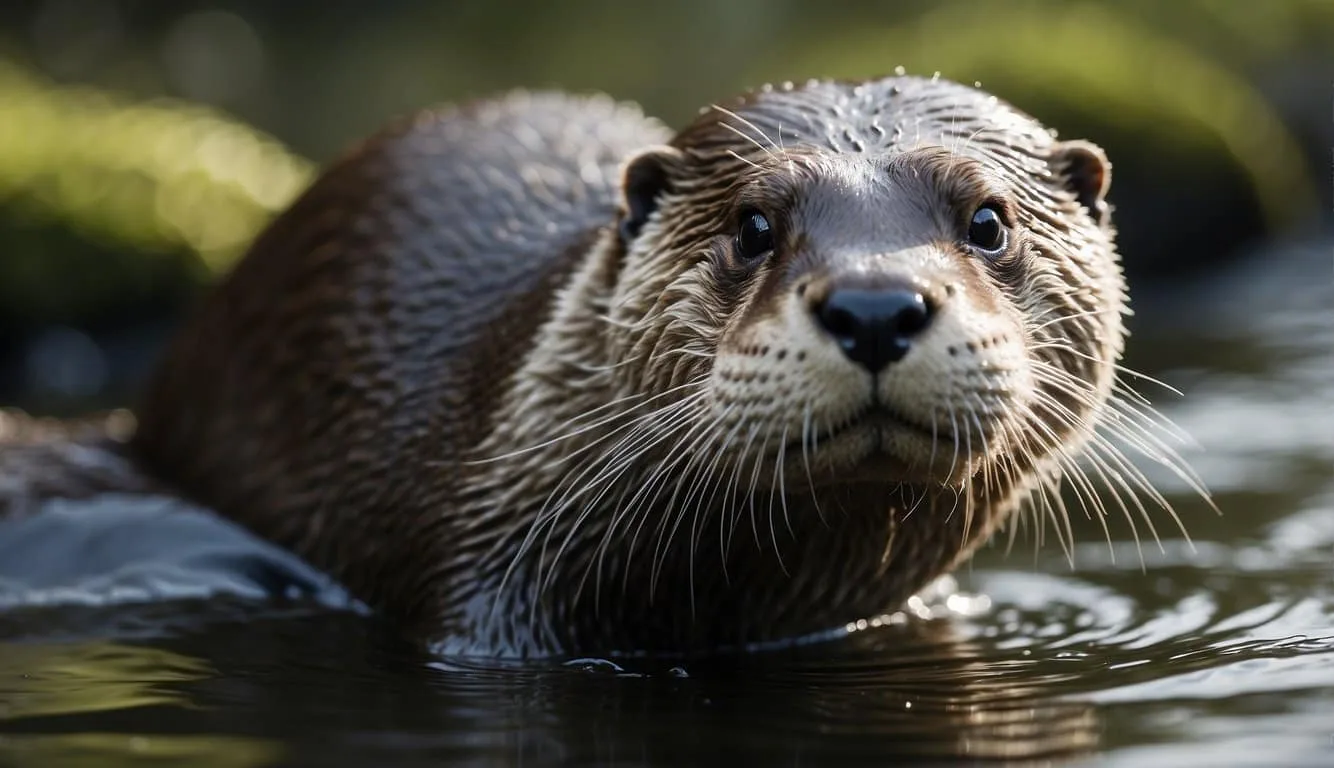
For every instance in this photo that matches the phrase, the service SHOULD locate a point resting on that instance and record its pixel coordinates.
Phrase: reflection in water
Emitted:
(90, 677)
(51, 693)
(107, 750)
(912, 689)
(1216, 651)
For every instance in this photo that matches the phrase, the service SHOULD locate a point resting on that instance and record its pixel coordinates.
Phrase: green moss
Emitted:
(103, 200)
(161, 176)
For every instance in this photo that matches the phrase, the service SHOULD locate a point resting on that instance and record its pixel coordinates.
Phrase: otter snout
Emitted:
(874, 325)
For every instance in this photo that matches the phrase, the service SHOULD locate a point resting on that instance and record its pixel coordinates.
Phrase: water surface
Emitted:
(1216, 651)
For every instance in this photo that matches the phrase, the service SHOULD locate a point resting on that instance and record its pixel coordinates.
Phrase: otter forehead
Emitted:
(885, 116)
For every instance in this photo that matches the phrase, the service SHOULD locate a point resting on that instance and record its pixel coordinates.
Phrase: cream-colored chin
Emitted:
(879, 447)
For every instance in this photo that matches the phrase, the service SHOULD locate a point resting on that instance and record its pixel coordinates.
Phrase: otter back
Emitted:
(356, 345)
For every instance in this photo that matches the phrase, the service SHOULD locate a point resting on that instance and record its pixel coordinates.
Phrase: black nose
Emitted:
(874, 327)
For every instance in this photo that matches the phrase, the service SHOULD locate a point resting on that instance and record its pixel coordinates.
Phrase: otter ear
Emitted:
(1085, 170)
(647, 175)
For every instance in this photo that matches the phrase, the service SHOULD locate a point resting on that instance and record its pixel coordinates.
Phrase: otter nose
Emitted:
(874, 326)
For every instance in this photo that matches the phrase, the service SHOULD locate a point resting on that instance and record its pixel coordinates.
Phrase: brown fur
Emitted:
(445, 378)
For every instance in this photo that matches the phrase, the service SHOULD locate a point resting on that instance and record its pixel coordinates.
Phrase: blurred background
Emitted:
(142, 143)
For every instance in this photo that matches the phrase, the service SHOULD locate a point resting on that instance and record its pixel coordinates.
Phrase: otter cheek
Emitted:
(968, 377)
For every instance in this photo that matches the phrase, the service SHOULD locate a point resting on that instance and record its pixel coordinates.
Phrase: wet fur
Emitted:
(497, 372)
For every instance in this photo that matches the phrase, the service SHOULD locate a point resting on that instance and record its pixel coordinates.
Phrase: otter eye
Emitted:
(986, 231)
(755, 237)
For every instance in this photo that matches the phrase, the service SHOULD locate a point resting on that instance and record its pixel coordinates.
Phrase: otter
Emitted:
(535, 375)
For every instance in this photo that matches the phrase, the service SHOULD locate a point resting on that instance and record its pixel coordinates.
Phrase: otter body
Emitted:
(536, 375)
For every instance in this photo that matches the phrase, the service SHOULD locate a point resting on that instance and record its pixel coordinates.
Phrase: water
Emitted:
(1219, 652)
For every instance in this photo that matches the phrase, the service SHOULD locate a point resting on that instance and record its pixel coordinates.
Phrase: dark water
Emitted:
(1216, 653)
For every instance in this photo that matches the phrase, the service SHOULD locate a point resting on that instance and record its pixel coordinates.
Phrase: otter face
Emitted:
(854, 299)
(881, 340)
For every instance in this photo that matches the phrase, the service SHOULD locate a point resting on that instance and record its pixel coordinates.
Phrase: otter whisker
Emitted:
(935, 442)
(734, 155)
(957, 492)
(1136, 430)
(887, 550)
(549, 565)
(791, 167)
(596, 372)
(1100, 446)
(641, 437)
(1066, 348)
(1150, 446)
(734, 486)
(548, 514)
(1050, 484)
(702, 513)
(1145, 412)
(684, 352)
(954, 432)
(1119, 420)
(599, 554)
(968, 479)
(665, 536)
(1107, 473)
(742, 134)
(619, 414)
(1019, 520)
(1146, 377)
(1130, 404)
(1053, 446)
(1009, 472)
(1050, 498)
(627, 453)
(641, 515)
(693, 452)
(645, 438)
(806, 461)
(1059, 515)
(702, 509)
(1085, 493)
(750, 496)
(1133, 425)
(747, 138)
(982, 434)
(683, 451)
(1060, 519)
(668, 430)
(1101, 442)
(1033, 330)
(728, 496)
(782, 489)
(1037, 506)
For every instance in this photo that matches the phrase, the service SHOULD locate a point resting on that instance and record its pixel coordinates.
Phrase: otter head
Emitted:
(829, 316)
(902, 282)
